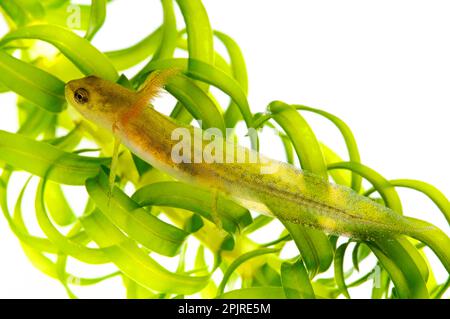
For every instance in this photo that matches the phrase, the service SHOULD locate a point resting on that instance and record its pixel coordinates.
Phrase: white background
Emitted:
(382, 66)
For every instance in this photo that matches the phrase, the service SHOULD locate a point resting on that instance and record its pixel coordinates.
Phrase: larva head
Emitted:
(98, 100)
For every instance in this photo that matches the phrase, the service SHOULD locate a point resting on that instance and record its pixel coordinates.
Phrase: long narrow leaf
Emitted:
(136, 222)
(180, 195)
(313, 245)
(37, 157)
(349, 139)
(239, 71)
(34, 84)
(123, 59)
(239, 261)
(339, 269)
(78, 50)
(296, 283)
(132, 261)
(96, 18)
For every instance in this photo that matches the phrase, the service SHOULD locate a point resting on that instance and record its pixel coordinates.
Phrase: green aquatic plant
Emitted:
(166, 217)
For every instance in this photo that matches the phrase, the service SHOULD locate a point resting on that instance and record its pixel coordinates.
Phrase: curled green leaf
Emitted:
(34, 84)
(78, 50)
(239, 261)
(196, 199)
(96, 18)
(37, 157)
(136, 222)
(296, 282)
(339, 269)
(134, 262)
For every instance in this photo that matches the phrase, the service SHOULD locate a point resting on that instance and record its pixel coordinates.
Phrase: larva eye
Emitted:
(81, 96)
